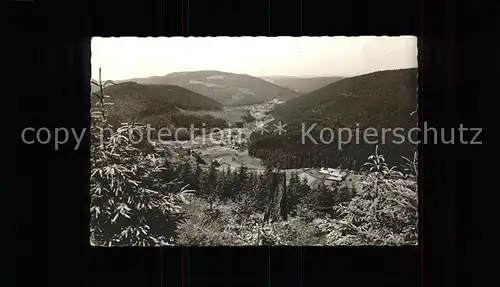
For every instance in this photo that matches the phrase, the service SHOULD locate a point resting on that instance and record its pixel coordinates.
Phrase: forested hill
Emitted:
(380, 98)
(158, 104)
(377, 100)
(228, 89)
(149, 96)
(302, 85)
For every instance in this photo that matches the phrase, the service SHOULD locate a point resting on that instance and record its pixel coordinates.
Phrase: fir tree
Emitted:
(240, 180)
(197, 177)
(324, 198)
(187, 173)
(293, 189)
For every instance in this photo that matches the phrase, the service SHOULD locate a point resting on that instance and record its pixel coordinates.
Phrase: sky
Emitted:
(132, 57)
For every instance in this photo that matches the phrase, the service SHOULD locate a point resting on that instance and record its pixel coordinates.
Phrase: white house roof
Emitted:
(336, 178)
(333, 172)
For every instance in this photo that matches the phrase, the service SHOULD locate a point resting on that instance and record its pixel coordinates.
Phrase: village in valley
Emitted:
(228, 147)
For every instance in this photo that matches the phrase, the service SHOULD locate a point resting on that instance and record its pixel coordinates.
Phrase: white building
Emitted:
(333, 174)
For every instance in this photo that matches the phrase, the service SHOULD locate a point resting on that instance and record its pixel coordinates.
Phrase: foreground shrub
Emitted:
(226, 225)
(384, 212)
(130, 203)
(204, 225)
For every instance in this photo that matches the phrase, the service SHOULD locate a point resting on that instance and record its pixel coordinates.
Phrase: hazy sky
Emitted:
(130, 57)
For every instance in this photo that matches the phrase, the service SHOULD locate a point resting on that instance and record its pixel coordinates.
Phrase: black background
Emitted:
(47, 85)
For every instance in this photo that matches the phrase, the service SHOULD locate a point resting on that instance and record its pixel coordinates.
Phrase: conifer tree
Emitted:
(324, 198)
(293, 189)
(187, 173)
(197, 177)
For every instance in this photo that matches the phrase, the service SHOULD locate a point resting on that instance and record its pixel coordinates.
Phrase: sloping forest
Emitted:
(375, 101)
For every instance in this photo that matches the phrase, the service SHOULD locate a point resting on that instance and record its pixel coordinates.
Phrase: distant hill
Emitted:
(377, 100)
(226, 88)
(303, 85)
(159, 105)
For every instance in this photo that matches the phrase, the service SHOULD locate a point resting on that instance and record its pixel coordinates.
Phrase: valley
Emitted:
(241, 141)
(229, 146)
